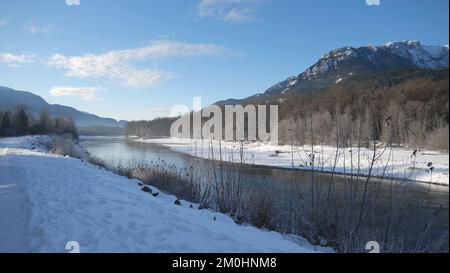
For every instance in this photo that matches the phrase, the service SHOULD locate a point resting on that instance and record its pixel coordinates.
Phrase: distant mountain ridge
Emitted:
(10, 99)
(347, 62)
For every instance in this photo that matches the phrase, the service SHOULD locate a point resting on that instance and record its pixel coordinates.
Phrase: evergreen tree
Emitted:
(45, 123)
(5, 124)
(21, 121)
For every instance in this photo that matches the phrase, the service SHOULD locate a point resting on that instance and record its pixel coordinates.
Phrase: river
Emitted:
(286, 187)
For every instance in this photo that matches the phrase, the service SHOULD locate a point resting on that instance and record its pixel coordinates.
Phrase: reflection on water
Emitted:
(123, 151)
(286, 187)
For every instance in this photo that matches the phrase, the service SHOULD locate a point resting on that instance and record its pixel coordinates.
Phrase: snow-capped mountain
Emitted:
(343, 63)
(422, 56)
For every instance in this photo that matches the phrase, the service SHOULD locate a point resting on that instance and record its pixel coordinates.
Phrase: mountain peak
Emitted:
(339, 64)
(422, 56)
(341, 53)
(346, 62)
(405, 42)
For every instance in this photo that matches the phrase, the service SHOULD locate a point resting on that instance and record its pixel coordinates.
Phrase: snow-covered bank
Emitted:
(397, 163)
(57, 199)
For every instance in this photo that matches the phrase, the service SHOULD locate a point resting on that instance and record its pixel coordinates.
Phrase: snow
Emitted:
(331, 60)
(319, 68)
(400, 162)
(48, 200)
(292, 82)
(435, 51)
(284, 91)
(372, 47)
(421, 55)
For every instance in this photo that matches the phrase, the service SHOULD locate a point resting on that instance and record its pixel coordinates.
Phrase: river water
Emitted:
(283, 184)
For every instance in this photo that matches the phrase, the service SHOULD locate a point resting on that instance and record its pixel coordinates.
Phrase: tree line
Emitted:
(406, 107)
(19, 123)
(403, 108)
(159, 127)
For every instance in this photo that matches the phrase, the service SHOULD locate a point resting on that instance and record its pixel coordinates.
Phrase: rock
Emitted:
(140, 184)
(155, 194)
(191, 206)
(146, 189)
(177, 202)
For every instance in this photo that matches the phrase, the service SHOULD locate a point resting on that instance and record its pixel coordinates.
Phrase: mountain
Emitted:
(10, 99)
(347, 62)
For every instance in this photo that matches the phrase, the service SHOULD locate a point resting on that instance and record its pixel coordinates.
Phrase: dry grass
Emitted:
(335, 218)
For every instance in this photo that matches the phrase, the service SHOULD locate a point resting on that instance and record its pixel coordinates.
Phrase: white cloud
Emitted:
(36, 28)
(3, 23)
(13, 60)
(237, 11)
(240, 15)
(86, 93)
(122, 65)
(160, 110)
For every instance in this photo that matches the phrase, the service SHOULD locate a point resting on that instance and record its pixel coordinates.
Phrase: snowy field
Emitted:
(397, 163)
(47, 200)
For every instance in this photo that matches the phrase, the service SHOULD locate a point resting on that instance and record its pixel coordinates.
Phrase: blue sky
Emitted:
(135, 59)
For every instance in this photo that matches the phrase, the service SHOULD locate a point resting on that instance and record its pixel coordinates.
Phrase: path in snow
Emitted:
(71, 200)
(13, 209)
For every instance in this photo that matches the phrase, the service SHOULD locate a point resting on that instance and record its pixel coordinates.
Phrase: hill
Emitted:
(10, 99)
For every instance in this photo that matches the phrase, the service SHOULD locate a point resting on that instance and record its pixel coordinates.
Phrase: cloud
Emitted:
(240, 15)
(3, 23)
(160, 110)
(86, 93)
(36, 28)
(236, 11)
(123, 65)
(13, 60)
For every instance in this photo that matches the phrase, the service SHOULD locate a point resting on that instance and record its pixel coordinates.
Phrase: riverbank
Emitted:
(430, 167)
(56, 199)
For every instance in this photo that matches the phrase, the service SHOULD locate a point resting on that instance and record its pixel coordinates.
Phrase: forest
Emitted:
(159, 127)
(404, 108)
(21, 123)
